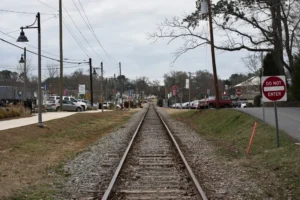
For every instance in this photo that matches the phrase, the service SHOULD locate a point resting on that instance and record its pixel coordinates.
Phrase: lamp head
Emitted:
(22, 59)
(22, 37)
(94, 71)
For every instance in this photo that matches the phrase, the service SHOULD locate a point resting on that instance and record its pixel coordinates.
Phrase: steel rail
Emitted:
(195, 181)
(118, 170)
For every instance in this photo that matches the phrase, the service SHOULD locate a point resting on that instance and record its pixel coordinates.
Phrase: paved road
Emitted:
(288, 118)
(13, 123)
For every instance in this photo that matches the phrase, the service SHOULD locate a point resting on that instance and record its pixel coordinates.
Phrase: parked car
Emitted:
(107, 105)
(67, 106)
(185, 105)
(52, 98)
(237, 102)
(244, 105)
(195, 104)
(192, 103)
(72, 99)
(88, 103)
(52, 105)
(173, 105)
(210, 102)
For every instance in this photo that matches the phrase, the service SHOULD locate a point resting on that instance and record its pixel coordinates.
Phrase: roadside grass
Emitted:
(32, 158)
(276, 169)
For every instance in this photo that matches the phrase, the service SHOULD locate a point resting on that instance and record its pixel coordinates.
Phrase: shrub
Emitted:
(126, 104)
(257, 102)
(89, 108)
(112, 106)
(13, 111)
(295, 79)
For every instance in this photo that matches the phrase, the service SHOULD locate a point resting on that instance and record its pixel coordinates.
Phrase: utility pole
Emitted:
(25, 74)
(121, 82)
(261, 75)
(102, 86)
(115, 89)
(213, 58)
(129, 97)
(61, 55)
(175, 89)
(136, 90)
(106, 83)
(189, 90)
(91, 82)
(181, 95)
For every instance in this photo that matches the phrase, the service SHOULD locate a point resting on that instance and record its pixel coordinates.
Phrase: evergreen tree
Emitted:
(296, 78)
(269, 66)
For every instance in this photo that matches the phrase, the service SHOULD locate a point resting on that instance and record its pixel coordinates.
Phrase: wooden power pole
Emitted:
(61, 55)
(213, 58)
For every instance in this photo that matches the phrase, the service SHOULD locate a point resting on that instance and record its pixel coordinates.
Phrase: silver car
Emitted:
(67, 106)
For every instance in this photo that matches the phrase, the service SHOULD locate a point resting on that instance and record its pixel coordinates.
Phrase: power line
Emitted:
(48, 5)
(27, 44)
(33, 46)
(7, 34)
(81, 32)
(45, 68)
(75, 38)
(69, 29)
(41, 55)
(21, 12)
(93, 32)
(41, 21)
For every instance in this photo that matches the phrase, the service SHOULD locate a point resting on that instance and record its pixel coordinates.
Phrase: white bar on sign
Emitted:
(274, 88)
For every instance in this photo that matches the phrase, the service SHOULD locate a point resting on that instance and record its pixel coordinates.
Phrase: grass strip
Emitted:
(277, 169)
(31, 157)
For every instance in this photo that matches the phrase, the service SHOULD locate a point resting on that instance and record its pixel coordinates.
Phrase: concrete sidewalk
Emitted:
(14, 123)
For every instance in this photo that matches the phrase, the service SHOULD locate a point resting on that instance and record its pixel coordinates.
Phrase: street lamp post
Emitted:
(23, 38)
(23, 60)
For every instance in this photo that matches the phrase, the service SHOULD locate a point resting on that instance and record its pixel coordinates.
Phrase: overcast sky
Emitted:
(121, 27)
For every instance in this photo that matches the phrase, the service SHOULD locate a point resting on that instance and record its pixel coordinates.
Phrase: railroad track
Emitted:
(153, 166)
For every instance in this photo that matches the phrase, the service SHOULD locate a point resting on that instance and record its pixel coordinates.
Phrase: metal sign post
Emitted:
(276, 120)
(274, 90)
(264, 113)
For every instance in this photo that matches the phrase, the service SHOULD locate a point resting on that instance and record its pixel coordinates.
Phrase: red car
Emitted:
(210, 102)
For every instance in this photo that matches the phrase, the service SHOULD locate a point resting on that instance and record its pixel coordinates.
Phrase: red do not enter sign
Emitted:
(274, 88)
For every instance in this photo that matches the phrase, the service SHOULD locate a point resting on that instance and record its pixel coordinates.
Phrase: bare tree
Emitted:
(263, 26)
(29, 69)
(52, 70)
(253, 62)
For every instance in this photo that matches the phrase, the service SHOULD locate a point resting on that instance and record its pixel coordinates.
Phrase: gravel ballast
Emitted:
(91, 171)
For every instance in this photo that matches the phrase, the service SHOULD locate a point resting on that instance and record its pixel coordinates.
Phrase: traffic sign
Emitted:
(238, 92)
(274, 88)
(88, 96)
(208, 92)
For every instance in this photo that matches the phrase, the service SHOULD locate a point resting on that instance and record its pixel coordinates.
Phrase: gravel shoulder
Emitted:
(91, 171)
(220, 178)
